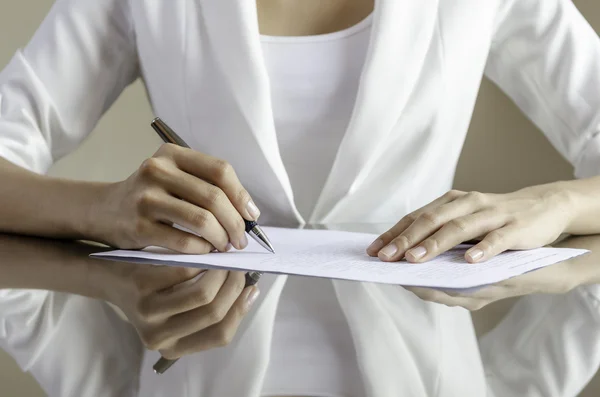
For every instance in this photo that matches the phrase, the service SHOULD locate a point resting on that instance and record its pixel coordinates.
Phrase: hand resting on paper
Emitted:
(529, 218)
(525, 219)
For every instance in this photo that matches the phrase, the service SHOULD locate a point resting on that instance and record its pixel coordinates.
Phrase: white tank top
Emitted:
(314, 82)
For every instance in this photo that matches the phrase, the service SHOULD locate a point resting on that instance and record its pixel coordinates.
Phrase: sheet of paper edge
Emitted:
(463, 288)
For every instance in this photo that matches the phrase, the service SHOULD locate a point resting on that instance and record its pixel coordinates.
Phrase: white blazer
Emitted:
(202, 65)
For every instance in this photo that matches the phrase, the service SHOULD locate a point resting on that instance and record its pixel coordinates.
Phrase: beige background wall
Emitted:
(503, 151)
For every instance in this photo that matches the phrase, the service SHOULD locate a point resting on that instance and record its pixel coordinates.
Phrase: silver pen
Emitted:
(252, 228)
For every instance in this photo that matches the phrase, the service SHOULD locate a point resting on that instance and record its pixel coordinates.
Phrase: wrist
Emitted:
(567, 202)
(581, 206)
(94, 220)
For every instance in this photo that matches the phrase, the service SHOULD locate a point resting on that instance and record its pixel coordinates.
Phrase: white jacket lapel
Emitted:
(392, 69)
(232, 28)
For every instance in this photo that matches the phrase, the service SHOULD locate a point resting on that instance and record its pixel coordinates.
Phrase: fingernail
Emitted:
(228, 247)
(252, 210)
(252, 297)
(475, 254)
(376, 245)
(389, 251)
(243, 241)
(417, 252)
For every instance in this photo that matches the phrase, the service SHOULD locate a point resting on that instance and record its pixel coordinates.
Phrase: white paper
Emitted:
(342, 255)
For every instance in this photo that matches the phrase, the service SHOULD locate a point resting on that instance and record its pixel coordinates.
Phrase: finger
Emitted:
(429, 222)
(196, 219)
(219, 173)
(437, 296)
(204, 195)
(408, 220)
(455, 232)
(192, 296)
(493, 243)
(160, 235)
(218, 335)
(187, 323)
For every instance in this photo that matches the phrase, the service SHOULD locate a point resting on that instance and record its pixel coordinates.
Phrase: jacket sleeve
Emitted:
(546, 57)
(56, 88)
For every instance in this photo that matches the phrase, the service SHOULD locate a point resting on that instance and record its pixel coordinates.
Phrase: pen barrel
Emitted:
(252, 278)
(162, 365)
(166, 133)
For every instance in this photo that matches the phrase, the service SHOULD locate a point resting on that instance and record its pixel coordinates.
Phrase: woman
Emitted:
(336, 112)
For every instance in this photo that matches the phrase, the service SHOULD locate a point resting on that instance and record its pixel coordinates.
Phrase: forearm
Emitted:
(44, 206)
(36, 263)
(584, 200)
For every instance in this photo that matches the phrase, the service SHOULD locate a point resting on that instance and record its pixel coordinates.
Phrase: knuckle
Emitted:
(146, 200)
(152, 167)
(495, 238)
(459, 224)
(216, 314)
(183, 243)
(202, 298)
(512, 219)
(430, 217)
(493, 208)
(409, 219)
(222, 169)
(404, 241)
(387, 236)
(198, 218)
(454, 194)
(214, 196)
(243, 196)
(153, 340)
(185, 273)
(223, 336)
(477, 198)
(433, 244)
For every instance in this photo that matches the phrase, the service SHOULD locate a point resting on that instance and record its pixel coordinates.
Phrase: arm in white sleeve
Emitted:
(54, 91)
(546, 57)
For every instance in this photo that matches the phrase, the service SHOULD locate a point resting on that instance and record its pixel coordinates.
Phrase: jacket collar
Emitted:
(394, 59)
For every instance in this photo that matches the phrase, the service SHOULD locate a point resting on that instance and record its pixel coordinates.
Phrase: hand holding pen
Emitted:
(225, 200)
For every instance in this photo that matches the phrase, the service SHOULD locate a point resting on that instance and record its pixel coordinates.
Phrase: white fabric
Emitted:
(414, 103)
(314, 82)
(311, 351)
